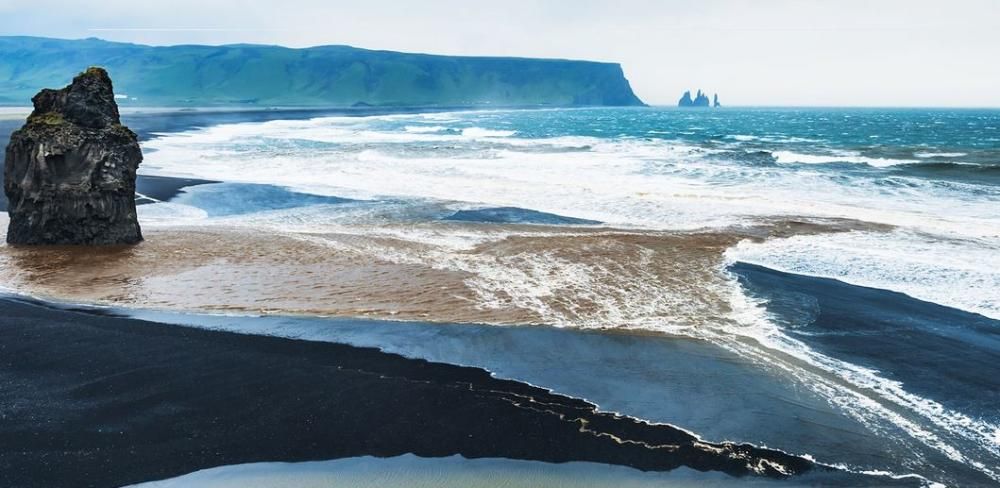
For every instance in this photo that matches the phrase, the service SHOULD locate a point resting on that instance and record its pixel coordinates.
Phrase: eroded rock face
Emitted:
(69, 173)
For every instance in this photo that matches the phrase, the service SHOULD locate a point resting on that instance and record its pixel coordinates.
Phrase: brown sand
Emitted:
(586, 277)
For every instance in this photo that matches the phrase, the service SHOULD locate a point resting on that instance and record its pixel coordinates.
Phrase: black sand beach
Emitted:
(163, 188)
(99, 400)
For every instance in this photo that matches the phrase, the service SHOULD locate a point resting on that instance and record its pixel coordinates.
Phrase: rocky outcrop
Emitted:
(69, 173)
(700, 100)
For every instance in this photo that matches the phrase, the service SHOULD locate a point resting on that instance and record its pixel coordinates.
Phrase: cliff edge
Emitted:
(324, 76)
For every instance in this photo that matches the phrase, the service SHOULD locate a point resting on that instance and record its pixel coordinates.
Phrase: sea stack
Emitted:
(69, 173)
(700, 100)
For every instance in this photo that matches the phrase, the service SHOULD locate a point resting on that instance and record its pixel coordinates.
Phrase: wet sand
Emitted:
(595, 278)
(591, 278)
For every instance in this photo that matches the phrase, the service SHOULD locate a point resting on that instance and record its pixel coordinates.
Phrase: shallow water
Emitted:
(412, 472)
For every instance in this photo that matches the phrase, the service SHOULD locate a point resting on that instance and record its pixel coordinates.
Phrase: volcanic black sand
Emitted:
(99, 400)
(937, 351)
(163, 188)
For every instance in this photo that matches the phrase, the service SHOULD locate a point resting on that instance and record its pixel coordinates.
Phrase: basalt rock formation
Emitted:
(700, 100)
(69, 173)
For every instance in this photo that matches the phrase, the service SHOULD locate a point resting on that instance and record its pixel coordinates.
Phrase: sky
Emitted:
(750, 52)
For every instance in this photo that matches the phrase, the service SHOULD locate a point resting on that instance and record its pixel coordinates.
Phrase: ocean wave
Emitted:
(958, 171)
(424, 128)
(790, 157)
(780, 139)
(930, 154)
(632, 182)
(757, 158)
(481, 132)
(169, 212)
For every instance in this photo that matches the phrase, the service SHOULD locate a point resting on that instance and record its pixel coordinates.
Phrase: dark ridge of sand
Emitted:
(939, 353)
(164, 188)
(154, 188)
(101, 400)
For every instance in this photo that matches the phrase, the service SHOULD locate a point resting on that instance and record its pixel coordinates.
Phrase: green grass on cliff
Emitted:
(319, 76)
(48, 118)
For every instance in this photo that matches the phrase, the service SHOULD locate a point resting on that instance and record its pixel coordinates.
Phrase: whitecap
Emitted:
(790, 157)
(481, 132)
(420, 129)
(929, 154)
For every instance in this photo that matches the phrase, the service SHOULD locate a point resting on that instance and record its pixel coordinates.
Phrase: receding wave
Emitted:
(514, 215)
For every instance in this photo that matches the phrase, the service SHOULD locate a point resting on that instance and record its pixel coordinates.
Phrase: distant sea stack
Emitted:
(700, 100)
(69, 172)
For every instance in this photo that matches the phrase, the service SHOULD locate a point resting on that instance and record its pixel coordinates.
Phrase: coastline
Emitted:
(168, 400)
(378, 272)
(256, 264)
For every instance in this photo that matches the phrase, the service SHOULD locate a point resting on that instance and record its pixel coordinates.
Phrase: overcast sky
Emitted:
(764, 52)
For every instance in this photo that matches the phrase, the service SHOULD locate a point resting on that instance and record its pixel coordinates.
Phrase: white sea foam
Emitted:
(653, 184)
(167, 212)
(425, 128)
(838, 157)
(480, 132)
(930, 154)
(624, 182)
(944, 250)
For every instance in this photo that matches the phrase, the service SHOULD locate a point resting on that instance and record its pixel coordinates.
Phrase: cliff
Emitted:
(69, 173)
(331, 76)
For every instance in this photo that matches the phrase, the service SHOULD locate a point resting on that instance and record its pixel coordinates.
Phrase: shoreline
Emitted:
(225, 268)
(207, 255)
(162, 402)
